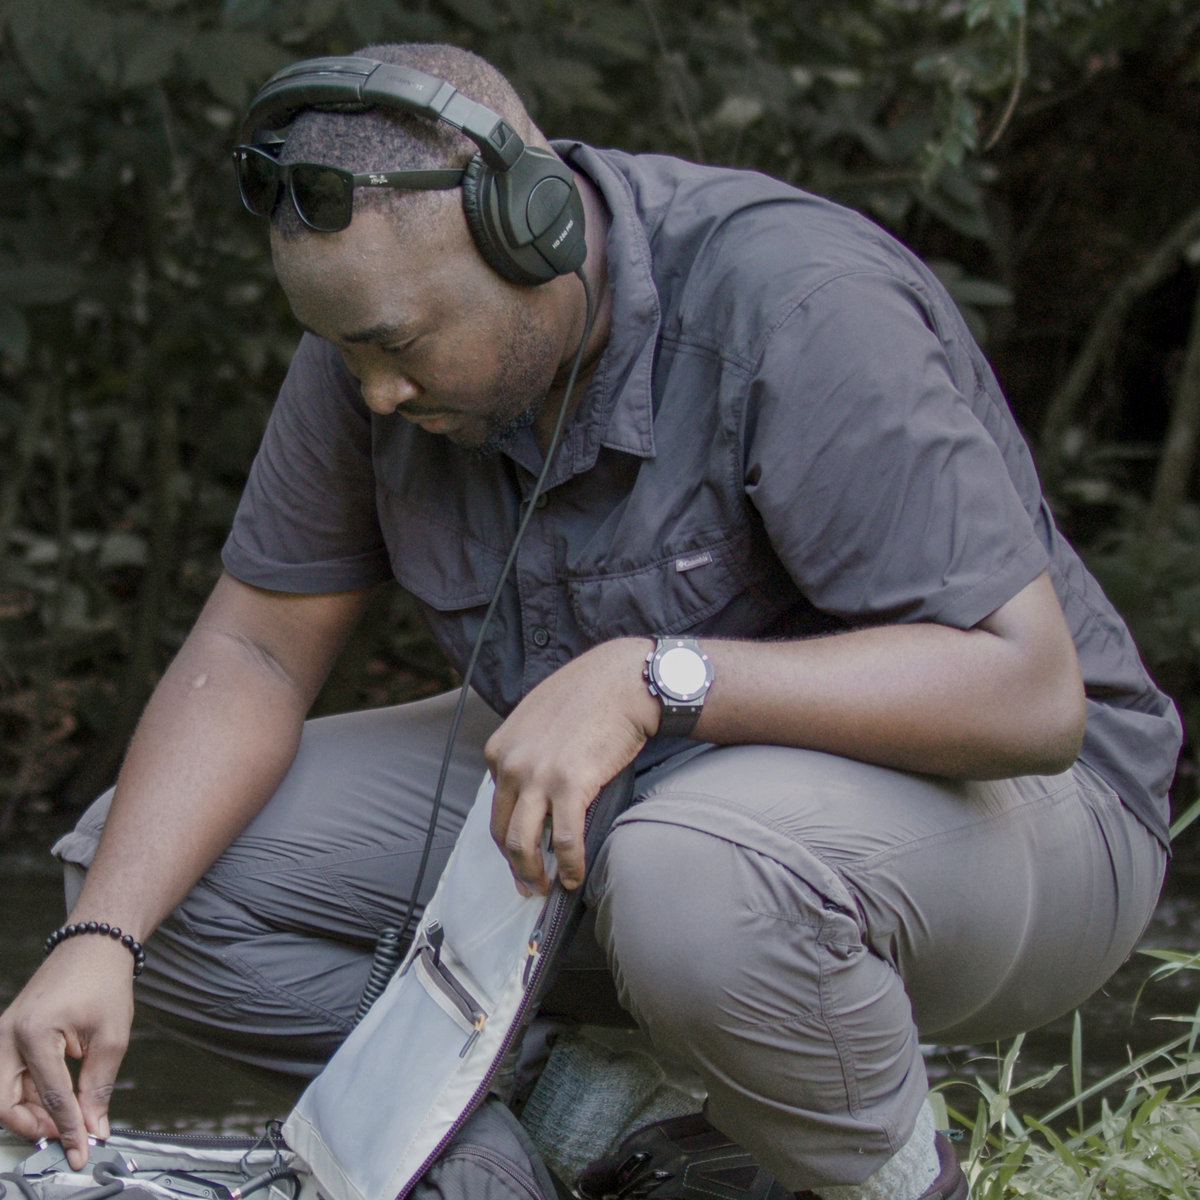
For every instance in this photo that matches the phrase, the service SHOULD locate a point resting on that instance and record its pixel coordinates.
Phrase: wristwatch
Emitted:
(678, 672)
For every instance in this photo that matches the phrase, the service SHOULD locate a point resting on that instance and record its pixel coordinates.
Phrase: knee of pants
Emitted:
(704, 935)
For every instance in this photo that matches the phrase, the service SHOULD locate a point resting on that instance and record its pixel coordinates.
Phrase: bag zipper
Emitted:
(205, 1141)
(546, 927)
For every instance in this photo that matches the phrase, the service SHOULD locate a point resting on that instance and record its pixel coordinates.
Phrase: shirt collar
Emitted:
(618, 409)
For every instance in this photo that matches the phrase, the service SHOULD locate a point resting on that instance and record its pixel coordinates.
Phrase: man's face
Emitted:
(428, 329)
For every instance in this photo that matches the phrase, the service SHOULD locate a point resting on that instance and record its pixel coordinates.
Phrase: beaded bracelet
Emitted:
(113, 931)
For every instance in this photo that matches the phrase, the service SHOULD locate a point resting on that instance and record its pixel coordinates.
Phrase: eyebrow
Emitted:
(374, 333)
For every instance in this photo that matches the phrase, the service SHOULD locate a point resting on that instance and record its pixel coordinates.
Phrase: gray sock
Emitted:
(906, 1175)
(590, 1095)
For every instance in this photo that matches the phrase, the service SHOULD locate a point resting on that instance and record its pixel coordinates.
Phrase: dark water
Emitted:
(166, 1084)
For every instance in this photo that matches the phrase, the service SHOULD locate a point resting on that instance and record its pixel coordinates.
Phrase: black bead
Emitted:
(102, 927)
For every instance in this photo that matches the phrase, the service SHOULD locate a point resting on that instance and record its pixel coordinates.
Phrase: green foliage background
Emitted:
(1035, 151)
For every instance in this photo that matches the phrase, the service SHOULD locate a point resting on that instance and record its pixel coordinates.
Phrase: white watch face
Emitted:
(681, 671)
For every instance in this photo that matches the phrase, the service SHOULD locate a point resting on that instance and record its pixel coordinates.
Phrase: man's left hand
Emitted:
(572, 734)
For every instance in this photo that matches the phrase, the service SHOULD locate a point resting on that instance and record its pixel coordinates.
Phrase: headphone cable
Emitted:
(394, 935)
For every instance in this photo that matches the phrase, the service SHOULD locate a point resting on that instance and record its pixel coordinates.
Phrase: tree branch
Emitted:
(1178, 456)
(1061, 411)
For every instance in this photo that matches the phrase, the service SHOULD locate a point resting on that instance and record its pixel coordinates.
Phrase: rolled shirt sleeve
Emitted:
(307, 520)
(869, 460)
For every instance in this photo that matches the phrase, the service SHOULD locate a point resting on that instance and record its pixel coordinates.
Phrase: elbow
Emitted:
(1056, 737)
(1039, 731)
(1073, 729)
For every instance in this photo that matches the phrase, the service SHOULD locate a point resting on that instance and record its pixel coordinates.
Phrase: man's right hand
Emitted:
(78, 1005)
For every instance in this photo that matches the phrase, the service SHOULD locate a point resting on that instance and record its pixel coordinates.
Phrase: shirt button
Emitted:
(542, 500)
(541, 636)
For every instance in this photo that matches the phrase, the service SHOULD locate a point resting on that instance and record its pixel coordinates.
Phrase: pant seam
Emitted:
(266, 987)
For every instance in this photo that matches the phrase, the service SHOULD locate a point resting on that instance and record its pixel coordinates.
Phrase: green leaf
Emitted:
(232, 63)
(1064, 1153)
(249, 13)
(1185, 819)
(121, 549)
(147, 51)
(29, 284)
(14, 334)
(38, 41)
(982, 292)
(479, 14)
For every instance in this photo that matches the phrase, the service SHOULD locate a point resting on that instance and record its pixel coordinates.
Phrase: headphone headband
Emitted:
(355, 84)
(522, 204)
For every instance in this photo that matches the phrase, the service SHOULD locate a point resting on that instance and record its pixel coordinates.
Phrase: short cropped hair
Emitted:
(389, 139)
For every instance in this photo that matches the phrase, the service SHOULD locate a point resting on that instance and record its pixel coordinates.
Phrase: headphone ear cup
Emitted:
(476, 184)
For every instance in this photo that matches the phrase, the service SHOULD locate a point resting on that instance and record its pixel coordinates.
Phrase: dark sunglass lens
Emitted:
(323, 196)
(258, 181)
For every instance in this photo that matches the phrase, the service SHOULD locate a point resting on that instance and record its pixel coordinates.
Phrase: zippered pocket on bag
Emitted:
(447, 986)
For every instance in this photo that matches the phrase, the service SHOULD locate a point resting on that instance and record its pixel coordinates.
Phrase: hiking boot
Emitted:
(685, 1158)
(951, 1183)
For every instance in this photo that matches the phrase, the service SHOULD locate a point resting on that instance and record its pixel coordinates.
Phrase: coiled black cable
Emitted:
(108, 1175)
(389, 950)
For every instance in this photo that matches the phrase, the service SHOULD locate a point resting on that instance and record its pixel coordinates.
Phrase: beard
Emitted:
(528, 366)
(502, 432)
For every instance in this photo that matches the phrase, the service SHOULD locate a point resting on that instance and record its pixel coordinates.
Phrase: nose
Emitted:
(385, 391)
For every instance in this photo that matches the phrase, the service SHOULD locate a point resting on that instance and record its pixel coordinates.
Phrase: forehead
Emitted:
(379, 272)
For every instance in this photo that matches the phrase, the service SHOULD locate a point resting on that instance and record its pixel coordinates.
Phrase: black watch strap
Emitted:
(679, 673)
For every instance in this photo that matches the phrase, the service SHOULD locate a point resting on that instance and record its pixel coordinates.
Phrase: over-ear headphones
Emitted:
(522, 204)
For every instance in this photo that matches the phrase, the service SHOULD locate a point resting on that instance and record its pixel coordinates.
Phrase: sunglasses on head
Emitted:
(322, 196)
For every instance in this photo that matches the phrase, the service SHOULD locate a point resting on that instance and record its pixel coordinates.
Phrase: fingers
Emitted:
(518, 827)
(518, 819)
(97, 1078)
(21, 1110)
(49, 1092)
(566, 840)
(78, 1005)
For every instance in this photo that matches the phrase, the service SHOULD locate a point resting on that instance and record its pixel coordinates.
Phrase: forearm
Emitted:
(214, 742)
(1004, 698)
(921, 698)
(217, 737)
(212, 745)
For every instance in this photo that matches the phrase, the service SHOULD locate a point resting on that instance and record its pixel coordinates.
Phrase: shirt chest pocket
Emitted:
(709, 587)
(434, 559)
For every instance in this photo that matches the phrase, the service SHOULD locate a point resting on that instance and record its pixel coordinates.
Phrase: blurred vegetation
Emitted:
(1043, 154)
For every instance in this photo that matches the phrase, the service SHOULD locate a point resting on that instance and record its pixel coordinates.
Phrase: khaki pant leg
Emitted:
(266, 958)
(791, 925)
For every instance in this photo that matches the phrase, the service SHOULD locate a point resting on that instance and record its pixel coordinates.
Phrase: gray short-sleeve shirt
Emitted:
(791, 431)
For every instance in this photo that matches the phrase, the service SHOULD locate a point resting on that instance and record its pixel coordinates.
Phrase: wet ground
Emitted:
(166, 1084)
